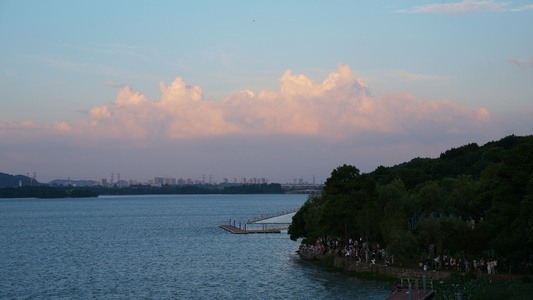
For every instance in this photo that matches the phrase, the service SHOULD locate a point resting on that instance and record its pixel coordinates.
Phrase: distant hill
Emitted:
(7, 180)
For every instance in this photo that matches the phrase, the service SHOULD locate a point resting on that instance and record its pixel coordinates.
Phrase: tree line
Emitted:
(471, 201)
(77, 192)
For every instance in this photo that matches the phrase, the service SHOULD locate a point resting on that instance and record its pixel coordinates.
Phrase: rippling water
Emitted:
(157, 247)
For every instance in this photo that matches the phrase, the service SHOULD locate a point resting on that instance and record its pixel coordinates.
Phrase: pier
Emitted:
(266, 224)
(413, 292)
(414, 295)
(246, 229)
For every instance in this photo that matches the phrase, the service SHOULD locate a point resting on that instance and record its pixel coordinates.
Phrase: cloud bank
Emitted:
(336, 109)
(305, 127)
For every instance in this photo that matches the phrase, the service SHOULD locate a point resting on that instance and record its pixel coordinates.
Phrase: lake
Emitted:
(158, 247)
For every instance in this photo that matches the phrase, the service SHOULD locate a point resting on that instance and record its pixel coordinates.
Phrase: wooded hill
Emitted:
(472, 200)
(16, 180)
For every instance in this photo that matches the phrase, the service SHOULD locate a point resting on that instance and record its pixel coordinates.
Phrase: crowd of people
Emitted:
(361, 251)
(490, 265)
(351, 249)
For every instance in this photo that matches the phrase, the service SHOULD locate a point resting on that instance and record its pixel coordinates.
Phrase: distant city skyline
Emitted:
(256, 89)
(170, 180)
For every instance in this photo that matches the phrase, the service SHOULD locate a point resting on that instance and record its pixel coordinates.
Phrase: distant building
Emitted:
(158, 181)
(163, 181)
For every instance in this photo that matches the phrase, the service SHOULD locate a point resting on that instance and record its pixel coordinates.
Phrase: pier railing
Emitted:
(267, 223)
(409, 289)
(254, 227)
(271, 216)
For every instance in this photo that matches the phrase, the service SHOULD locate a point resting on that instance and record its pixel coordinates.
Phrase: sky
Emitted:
(280, 90)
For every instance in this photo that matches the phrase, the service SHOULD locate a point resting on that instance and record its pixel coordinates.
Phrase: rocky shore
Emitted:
(352, 265)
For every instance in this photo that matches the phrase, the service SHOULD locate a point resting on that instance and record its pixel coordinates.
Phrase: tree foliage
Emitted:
(471, 200)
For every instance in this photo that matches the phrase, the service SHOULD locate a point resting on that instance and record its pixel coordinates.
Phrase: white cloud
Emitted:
(466, 6)
(521, 8)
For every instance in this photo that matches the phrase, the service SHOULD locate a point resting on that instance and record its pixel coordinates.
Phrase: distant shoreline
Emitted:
(81, 192)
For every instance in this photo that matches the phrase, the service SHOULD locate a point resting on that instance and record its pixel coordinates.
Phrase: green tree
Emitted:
(429, 233)
(305, 221)
(431, 197)
(347, 194)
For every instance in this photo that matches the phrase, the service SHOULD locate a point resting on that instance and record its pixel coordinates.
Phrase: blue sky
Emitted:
(406, 79)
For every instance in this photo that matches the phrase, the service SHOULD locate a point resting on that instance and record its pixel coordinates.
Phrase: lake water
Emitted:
(158, 247)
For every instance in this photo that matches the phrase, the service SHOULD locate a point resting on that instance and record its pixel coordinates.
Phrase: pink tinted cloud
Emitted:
(338, 108)
(10, 125)
(12, 132)
(15, 125)
(523, 63)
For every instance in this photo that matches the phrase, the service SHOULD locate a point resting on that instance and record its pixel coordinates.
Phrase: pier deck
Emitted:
(233, 229)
